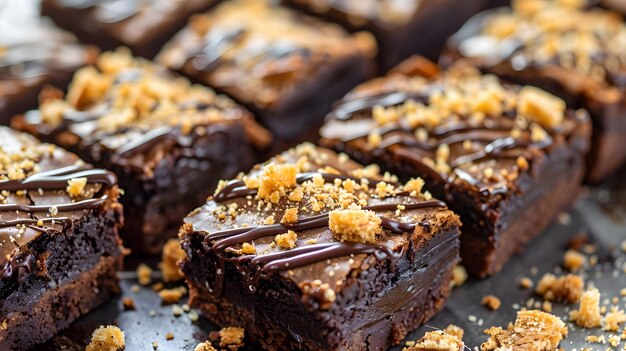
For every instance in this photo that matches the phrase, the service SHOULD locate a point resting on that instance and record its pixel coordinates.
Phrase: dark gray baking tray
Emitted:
(600, 212)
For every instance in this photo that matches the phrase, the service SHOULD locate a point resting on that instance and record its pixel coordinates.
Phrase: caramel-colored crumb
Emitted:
(540, 106)
(144, 274)
(204, 346)
(76, 186)
(566, 288)
(275, 181)
(573, 260)
(248, 249)
(170, 296)
(169, 336)
(455, 331)
(491, 302)
(588, 315)
(172, 253)
(231, 337)
(354, 225)
(533, 330)
(290, 216)
(437, 341)
(459, 276)
(109, 338)
(287, 240)
(613, 320)
(526, 283)
(128, 303)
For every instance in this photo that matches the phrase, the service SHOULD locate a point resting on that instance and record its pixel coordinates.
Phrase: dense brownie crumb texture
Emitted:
(286, 67)
(158, 132)
(58, 237)
(33, 52)
(486, 147)
(566, 47)
(301, 233)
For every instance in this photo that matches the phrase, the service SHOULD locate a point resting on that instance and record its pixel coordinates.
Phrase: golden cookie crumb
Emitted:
(275, 181)
(76, 186)
(354, 225)
(613, 320)
(566, 288)
(455, 331)
(287, 240)
(533, 330)
(416, 184)
(109, 338)
(491, 302)
(248, 249)
(290, 216)
(588, 315)
(170, 296)
(459, 276)
(437, 340)
(172, 253)
(204, 346)
(128, 303)
(540, 106)
(231, 337)
(525, 283)
(573, 260)
(144, 274)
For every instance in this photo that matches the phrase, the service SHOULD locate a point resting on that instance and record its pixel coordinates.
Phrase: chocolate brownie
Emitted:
(59, 244)
(142, 25)
(168, 141)
(575, 53)
(312, 251)
(506, 158)
(285, 67)
(33, 53)
(401, 27)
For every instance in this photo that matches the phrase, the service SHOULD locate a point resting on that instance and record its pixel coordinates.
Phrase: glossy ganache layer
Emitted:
(59, 222)
(166, 139)
(480, 144)
(290, 242)
(571, 50)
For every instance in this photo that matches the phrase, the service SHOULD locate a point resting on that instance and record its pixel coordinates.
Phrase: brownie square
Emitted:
(506, 158)
(143, 26)
(59, 244)
(312, 251)
(285, 67)
(575, 53)
(33, 53)
(168, 141)
(401, 28)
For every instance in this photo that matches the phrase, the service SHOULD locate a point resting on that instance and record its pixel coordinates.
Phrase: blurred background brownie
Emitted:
(168, 141)
(285, 67)
(33, 53)
(401, 27)
(576, 54)
(312, 251)
(507, 159)
(59, 244)
(142, 25)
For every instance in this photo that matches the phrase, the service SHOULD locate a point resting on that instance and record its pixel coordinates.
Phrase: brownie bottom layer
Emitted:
(376, 322)
(524, 219)
(58, 307)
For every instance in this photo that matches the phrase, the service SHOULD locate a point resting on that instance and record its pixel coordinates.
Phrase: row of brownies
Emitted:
(310, 250)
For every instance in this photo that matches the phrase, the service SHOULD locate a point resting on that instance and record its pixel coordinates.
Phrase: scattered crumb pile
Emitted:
(533, 330)
(109, 338)
(449, 339)
(229, 338)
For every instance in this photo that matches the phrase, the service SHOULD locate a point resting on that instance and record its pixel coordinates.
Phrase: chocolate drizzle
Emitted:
(254, 267)
(494, 133)
(237, 188)
(58, 178)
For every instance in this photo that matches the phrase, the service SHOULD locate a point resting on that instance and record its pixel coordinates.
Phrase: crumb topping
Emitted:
(109, 338)
(533, 330)
(287, 240)
(546, 32)
(260, 59)
(566, 288)
(588, 315)
(354, 225)
(76, 186)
